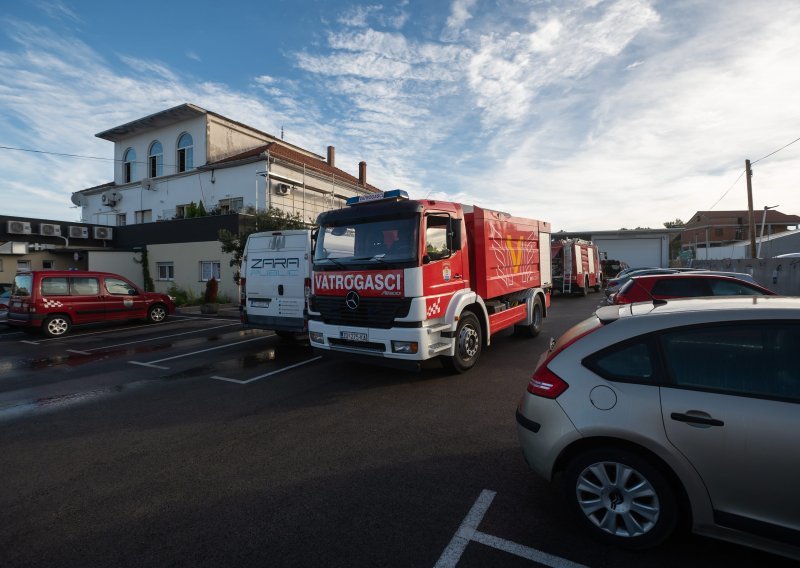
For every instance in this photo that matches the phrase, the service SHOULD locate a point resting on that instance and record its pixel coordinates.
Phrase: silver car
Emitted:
(686, 412)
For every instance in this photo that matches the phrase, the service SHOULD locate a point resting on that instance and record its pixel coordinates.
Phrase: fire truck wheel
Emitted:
(468, 344)
(535, 327)
(585, 289)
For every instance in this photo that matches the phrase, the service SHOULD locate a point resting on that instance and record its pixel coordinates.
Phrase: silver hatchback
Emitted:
(679, 412)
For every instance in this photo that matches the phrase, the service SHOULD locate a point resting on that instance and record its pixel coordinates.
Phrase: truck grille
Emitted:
(371, 312)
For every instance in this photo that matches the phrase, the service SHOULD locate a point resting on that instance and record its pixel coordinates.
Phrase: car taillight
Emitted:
(546, 383)
(621, 298)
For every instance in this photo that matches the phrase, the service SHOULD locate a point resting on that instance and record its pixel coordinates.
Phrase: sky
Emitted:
(589, 114)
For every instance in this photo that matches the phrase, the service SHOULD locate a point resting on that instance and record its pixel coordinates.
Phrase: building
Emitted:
(180, 164)
(637, 247)
(711, 229)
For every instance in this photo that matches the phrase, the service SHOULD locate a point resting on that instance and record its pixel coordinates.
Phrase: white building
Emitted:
(169, 163)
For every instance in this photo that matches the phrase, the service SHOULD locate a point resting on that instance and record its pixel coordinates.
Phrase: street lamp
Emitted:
(763, 221)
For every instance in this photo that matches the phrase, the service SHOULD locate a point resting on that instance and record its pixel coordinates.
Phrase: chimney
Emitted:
(362, 173)
(331, 156)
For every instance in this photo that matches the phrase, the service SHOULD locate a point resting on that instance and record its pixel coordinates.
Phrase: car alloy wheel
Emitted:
(621, 497)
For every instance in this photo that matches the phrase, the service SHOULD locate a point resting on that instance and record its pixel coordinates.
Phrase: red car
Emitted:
(53, 301)
(686, 285)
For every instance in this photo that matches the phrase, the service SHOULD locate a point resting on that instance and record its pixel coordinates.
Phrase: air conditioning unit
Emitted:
(79, 232)
(111, 198)
(147, 183)
(18, 227)
(103, 233)
(49, 230)
(282, 189)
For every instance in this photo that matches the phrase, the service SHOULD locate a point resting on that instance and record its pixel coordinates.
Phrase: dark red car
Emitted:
(687, 285)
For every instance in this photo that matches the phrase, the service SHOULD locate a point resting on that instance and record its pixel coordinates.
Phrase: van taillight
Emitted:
(243, 291)
(307, 285)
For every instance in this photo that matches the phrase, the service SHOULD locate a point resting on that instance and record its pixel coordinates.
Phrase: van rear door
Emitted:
(277, 269)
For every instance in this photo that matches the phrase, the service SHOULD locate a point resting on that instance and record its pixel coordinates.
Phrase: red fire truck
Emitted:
(576, 266)
(400, 281)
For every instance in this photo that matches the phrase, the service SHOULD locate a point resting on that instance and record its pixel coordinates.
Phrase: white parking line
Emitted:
(468, 531)
(153, 363)
(244, 382)
(151, 339)
(102, 332)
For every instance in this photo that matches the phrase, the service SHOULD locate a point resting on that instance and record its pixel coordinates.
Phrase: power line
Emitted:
(57, 154)
(775, 152)
(727, 191)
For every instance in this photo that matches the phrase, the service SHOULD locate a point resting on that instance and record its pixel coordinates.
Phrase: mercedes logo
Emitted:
(352, 300)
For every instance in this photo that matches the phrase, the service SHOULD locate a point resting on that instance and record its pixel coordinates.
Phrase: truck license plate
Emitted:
(353, 336)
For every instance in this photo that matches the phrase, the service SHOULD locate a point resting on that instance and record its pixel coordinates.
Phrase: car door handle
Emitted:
(694, 419)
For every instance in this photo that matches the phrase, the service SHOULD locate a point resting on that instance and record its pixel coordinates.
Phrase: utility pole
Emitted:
(750, 217)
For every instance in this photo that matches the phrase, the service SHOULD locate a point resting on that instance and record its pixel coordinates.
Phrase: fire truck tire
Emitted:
(585, 290)
(469, 341)
(535, 327)
(597, 288)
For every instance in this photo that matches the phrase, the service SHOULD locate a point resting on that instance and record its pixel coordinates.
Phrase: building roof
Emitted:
(280, 151)
(774, 217)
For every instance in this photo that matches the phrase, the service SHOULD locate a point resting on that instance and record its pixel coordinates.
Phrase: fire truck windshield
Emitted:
(368, 241)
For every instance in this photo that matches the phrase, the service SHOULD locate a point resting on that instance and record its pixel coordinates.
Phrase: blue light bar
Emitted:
(395, 194)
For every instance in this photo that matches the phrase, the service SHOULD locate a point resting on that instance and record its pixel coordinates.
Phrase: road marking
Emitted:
(159, 337)
(468, 531)
(104, 331)
(244, 382)
(29, 342)
(153, 363)
(78, 352)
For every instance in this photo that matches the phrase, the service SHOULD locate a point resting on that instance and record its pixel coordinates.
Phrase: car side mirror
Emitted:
(132, 292)
(426, 259)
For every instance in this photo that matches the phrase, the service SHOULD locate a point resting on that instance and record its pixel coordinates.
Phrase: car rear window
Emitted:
(727, 288)
(22, 285)
(631, 362)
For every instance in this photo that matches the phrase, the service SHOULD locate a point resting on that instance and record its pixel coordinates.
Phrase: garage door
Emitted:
(636, 252)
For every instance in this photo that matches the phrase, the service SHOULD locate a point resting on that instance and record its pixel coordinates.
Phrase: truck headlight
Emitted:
(316, 337)
(408, 347)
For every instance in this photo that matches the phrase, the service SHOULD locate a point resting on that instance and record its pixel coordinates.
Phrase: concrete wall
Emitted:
(186, 258)
(118, 262)
(781, 275)
(60, 261)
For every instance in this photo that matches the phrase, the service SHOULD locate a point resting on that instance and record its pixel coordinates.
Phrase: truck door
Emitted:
(444, 270)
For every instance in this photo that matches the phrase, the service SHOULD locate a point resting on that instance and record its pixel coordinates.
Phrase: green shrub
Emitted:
(183, 297)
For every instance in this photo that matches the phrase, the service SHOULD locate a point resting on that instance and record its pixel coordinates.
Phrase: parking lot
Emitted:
(196, 443)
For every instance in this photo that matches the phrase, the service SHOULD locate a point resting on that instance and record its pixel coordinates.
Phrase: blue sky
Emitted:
(589, 114)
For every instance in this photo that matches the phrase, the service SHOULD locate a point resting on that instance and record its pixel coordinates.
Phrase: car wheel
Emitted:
(621, 497)
(56, 326)
(468, 344)
(535, 327)
(157, 313)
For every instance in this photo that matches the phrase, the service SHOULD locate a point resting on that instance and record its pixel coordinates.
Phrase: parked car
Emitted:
(687, 285)
(4, 298)
(683, 412)
(53, 301)
(613, 285)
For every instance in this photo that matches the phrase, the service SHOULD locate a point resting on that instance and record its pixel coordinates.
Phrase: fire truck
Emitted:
(397, 281)
(576, 266)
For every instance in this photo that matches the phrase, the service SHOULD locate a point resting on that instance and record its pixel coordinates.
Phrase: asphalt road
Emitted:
(195, 443)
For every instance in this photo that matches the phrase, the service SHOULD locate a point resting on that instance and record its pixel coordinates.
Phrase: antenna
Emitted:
(281, 132)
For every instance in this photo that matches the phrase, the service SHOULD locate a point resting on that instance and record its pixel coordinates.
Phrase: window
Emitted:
(23, 266)
(681, 287)
(145, 216)
(233, 205)
(128, 165)
(757, 359)
(185, 151)
(122, 219)
(438, 237)
(85, 286)
(155, 160)
(718, 232)
(630, 362)
(47, 265)
(726, 288)
(166, 271)
(117, 287)
(209, 269)
(55, 287)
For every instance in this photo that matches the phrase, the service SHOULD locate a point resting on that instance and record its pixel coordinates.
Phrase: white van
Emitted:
(276, 281)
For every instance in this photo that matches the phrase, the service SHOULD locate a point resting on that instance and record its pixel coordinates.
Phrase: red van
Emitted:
(55, 300)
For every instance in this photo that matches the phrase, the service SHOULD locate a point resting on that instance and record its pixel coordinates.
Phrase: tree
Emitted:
(676, 224)
(201, 210)
(273, 219)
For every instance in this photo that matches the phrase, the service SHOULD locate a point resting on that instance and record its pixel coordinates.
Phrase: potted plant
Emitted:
(210, 305)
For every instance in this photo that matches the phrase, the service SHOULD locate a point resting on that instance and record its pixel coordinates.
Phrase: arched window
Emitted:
(185, 152)
(155, 160)
(129, 165)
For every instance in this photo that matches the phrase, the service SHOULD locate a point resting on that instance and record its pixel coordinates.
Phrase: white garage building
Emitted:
(637, 247)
